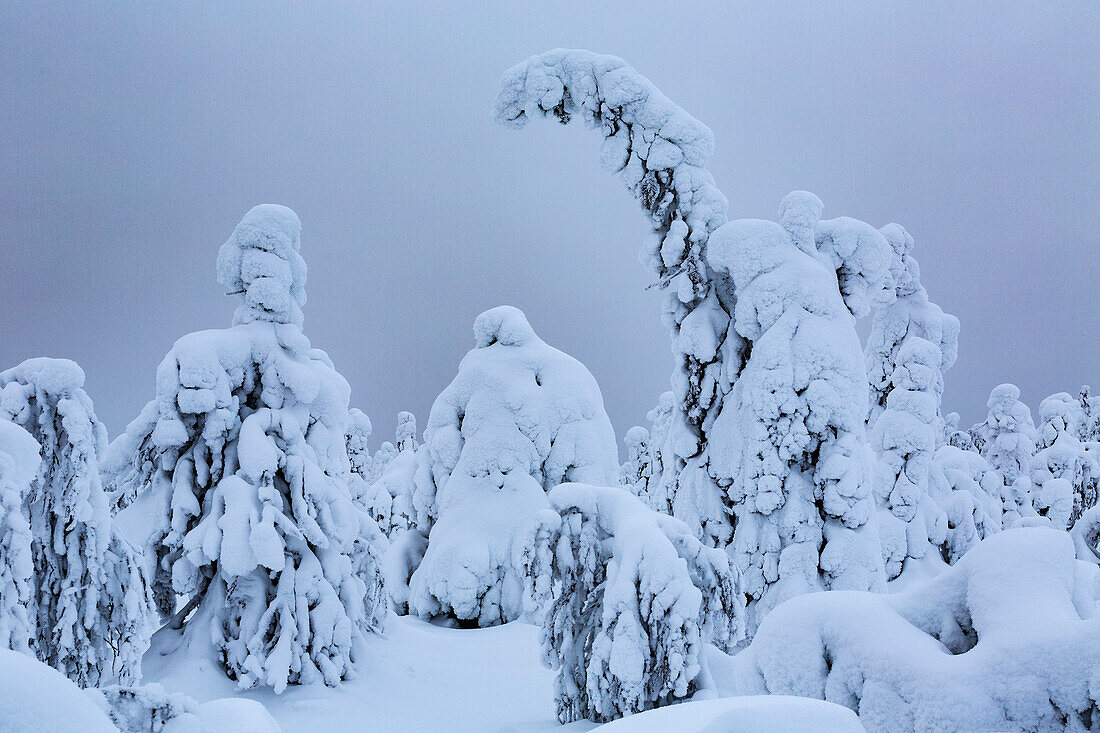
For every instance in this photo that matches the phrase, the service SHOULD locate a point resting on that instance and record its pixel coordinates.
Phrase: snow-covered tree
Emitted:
(19, 460)
(911, 344)
(1062, 456)
(789, 444)
(519, 418)
(1088, 430)
(381, 461)
(359, 457)
(659, 152)
(91, 601)
(1007, 440)
(389, 497)
(631, 596)
(241, 463)
(638, 468)
(967, 491)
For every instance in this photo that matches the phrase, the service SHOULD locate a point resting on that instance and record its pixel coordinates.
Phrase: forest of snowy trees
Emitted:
(802, 516)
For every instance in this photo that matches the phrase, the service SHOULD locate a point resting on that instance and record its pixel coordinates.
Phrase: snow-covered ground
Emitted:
(416, 677)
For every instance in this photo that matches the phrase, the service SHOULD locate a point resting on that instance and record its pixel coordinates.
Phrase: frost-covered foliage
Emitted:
(519, 418)
(790, 445)
(240, 465)
(631, 596)
(19, 460)
(1007, 639)
(90, 601)
(1007, 440)
(911, 344)
(659, 152)
(1064, 472)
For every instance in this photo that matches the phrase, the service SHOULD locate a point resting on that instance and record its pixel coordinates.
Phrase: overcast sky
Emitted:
(133, 137)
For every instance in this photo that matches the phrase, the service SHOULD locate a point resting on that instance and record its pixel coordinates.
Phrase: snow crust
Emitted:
(749, 714)
(36, 697)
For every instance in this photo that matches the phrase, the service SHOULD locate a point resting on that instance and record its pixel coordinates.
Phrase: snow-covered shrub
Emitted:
(147, 709)
(659, 152)
(631, 596)
(789, 444)
(19, 460)
(91, 600)
(1062, 455)
(1006, 639)
(241, 471)
(519, 418)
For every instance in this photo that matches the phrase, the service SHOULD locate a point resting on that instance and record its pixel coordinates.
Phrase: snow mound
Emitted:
(235, 715)
(750, 714)
(35, 697)
(1006, 639)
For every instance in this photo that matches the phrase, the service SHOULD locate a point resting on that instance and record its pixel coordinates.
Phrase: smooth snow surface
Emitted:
(752, 714)
(416, 677)
(35, 697)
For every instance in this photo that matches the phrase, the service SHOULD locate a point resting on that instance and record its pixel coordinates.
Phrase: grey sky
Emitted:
(133, 137)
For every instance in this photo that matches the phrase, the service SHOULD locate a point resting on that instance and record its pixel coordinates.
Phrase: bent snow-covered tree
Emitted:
(520, 418)
(659, 152)
(631, 596)
(19, 460)
(91, 603)
(241, 459)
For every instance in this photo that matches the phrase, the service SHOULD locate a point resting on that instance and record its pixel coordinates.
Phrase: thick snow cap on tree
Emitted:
(789, 444)
(242, 477)
(520, 418)
(19, 459)
(630, 597)
(260, 262)
(1006, 639)
(90, 599)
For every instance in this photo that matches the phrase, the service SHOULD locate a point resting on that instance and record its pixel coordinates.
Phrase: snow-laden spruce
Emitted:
(241, 472)
(19, 460)
(388, 499)
(1064, 472)
(659, 152)
(1006, 639)
(91, 602)
(1007, 440)
(911, 344)
(631, 596)
(519, 418)
(789, 445)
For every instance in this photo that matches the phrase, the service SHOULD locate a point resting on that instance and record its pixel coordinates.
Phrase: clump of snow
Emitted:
(90, 602)
(241, 471)
(748, 714)
(261, 263)
(35, 697)
(19, 460)
(789, 445)
(519, 418)
(1006, 639)
(631, 596)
